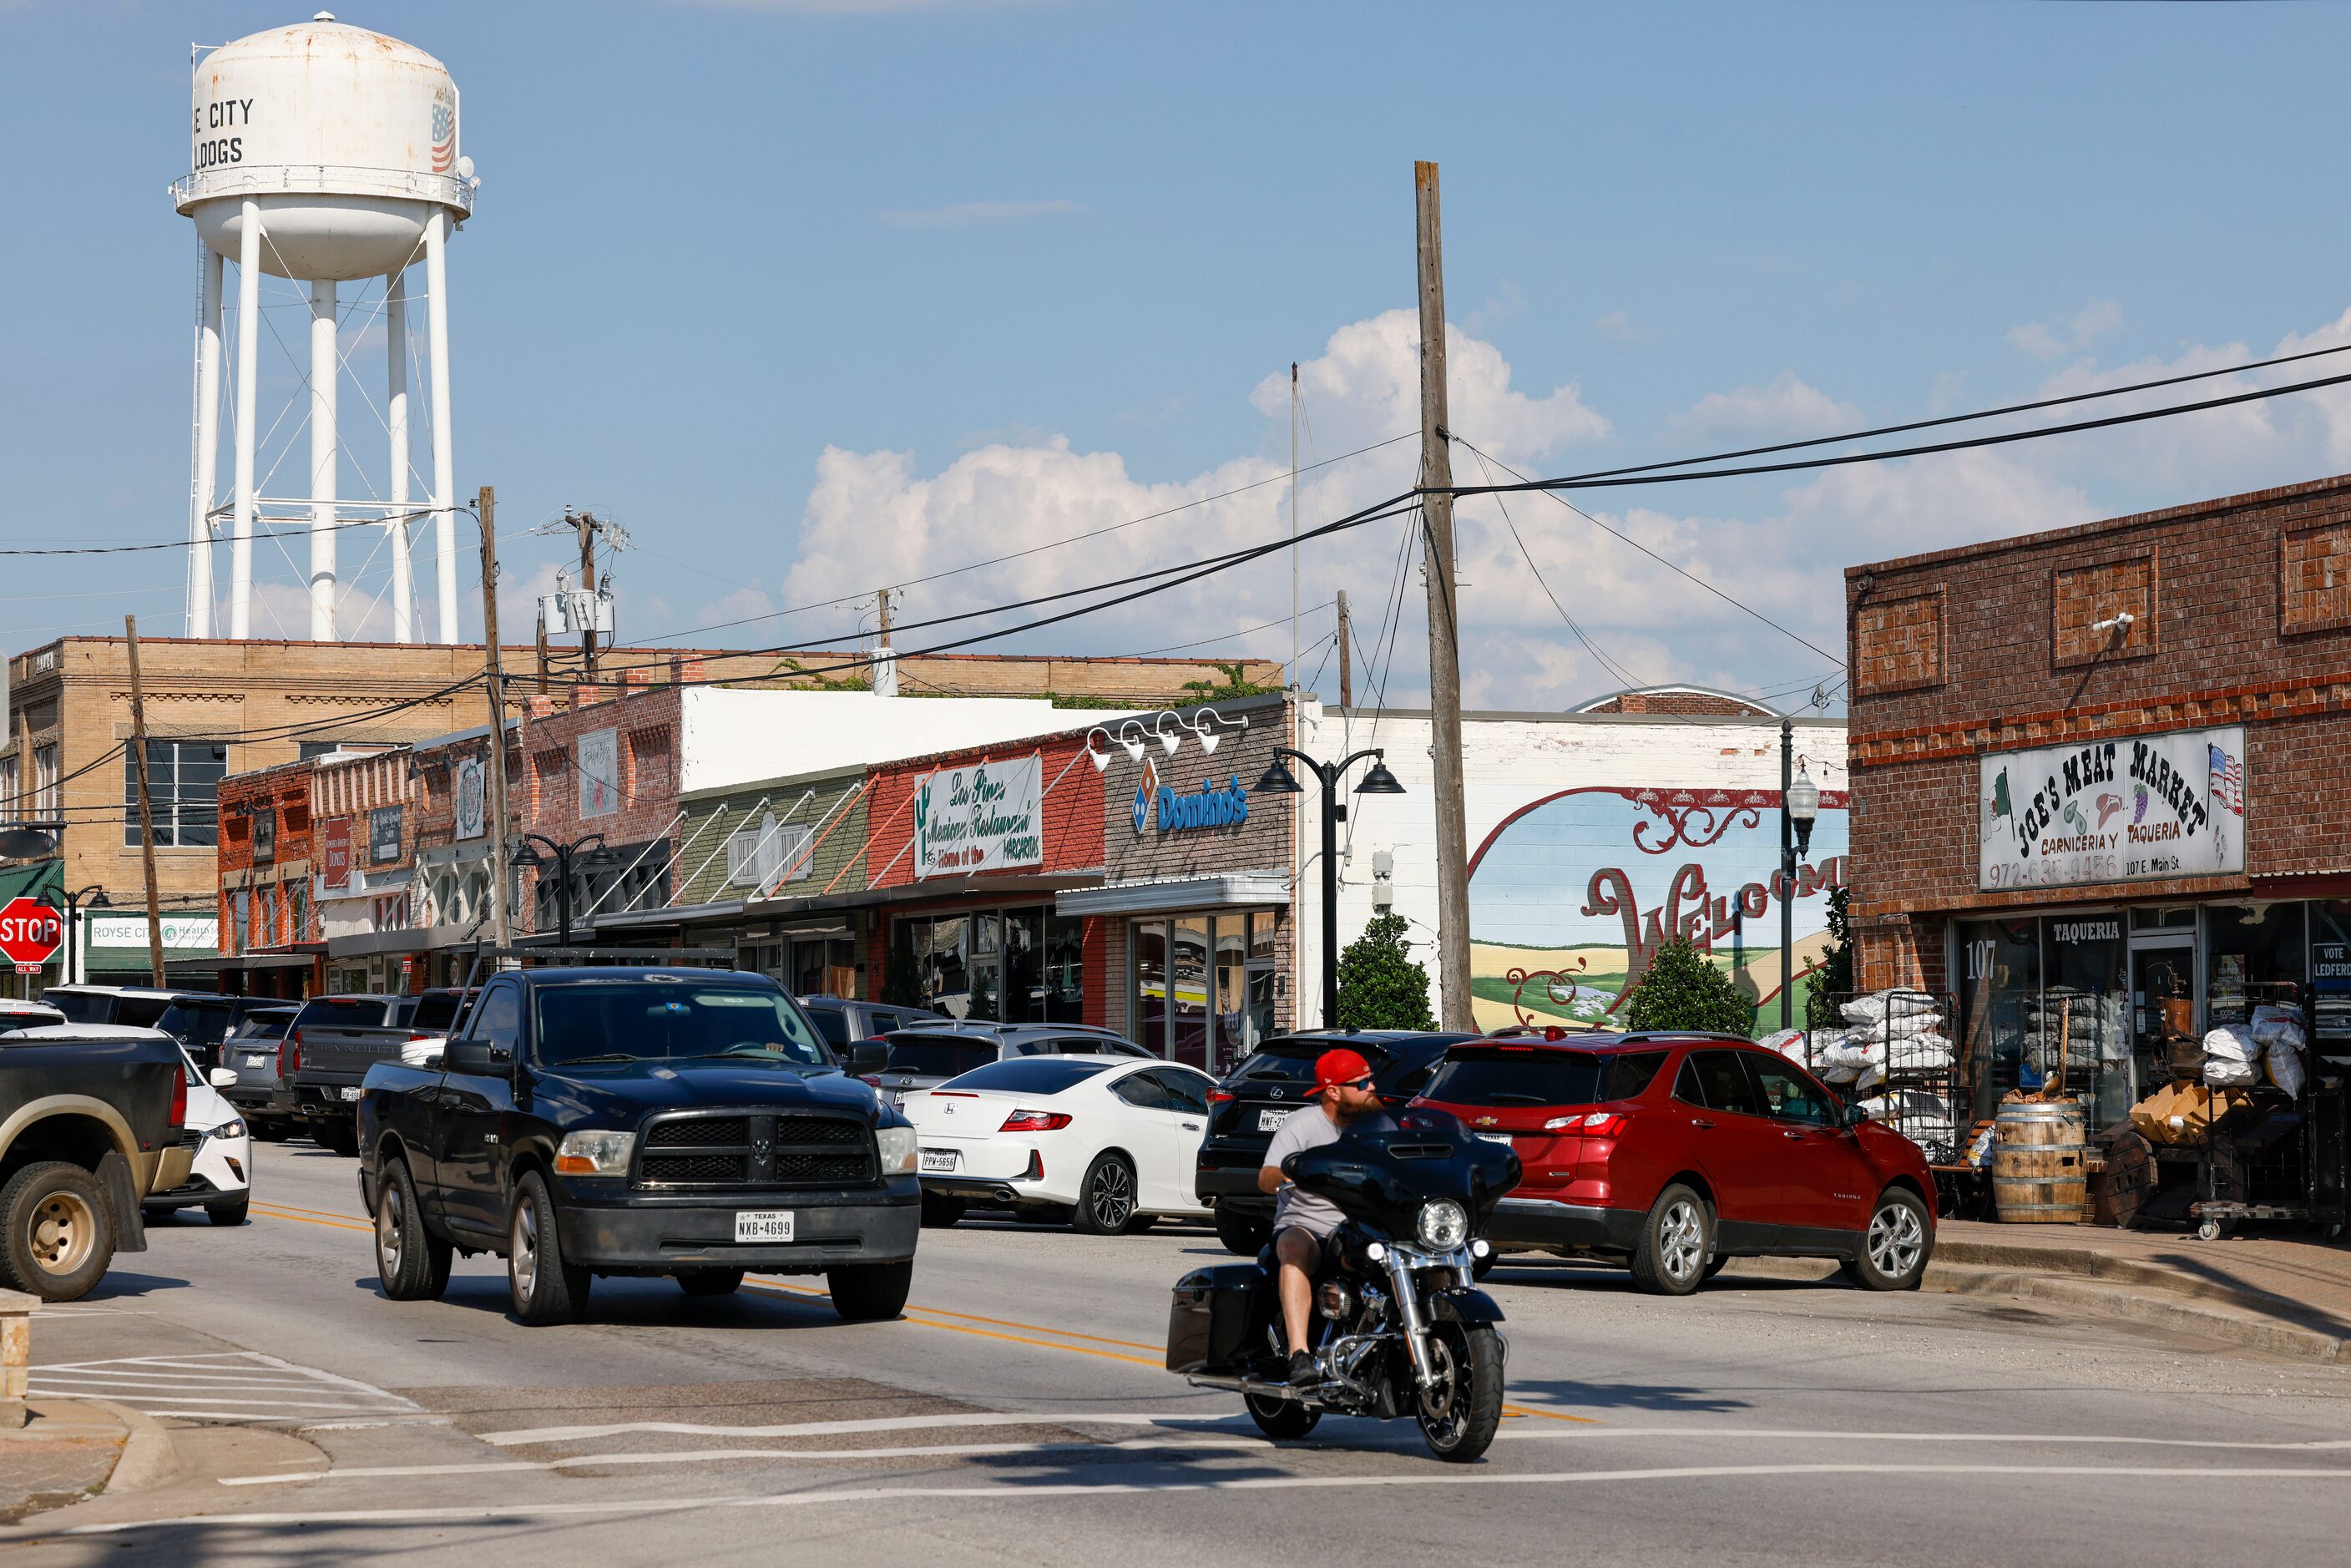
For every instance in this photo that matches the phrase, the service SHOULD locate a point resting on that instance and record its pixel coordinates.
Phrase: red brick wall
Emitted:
(1070, 815)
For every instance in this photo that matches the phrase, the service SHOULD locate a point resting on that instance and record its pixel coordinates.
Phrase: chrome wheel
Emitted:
(1112, 1195)
(391, 1232)
(1681, 1241)
(64, 1232)
(1897, 1240)
(525, 1259)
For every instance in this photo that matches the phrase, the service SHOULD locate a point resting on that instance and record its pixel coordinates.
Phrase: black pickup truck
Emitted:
(637, 1121)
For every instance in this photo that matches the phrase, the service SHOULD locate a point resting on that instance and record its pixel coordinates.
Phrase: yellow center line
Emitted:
(268, 1212)
(918, 1315)
(1551, 1415)
(324, 1213)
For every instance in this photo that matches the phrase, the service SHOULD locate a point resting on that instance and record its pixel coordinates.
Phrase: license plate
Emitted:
(763, 1224)
(1267, 1120)
(257, 1061)
(351, 1094)
(1501, 1138)
(938, 1162)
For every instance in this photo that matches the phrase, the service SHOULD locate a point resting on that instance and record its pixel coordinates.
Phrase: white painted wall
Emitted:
(1507, 763)
(731, 736)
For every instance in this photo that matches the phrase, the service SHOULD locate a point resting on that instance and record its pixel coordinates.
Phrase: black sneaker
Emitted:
(1303, 1368)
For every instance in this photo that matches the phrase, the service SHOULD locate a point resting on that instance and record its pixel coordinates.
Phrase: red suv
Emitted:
(1677, 1153)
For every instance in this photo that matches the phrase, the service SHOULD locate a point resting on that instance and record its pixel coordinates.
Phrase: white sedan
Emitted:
(1112, 1139)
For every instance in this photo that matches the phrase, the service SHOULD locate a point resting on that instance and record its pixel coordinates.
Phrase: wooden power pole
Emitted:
(1443, 627)
(501, 920)
(883, 677)
(146, 805)
(586, 523)
(1346, 655)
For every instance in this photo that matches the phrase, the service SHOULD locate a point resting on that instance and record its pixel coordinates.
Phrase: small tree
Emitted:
(1379, 985)
(1682, 990)
(1834, 976)
(901, 987)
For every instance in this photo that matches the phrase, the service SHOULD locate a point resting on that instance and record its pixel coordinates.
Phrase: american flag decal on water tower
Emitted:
(444, 130)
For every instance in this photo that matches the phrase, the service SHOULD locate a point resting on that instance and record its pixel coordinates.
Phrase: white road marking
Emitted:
(1011, 1491)
(234, 1386)
(874, 1423)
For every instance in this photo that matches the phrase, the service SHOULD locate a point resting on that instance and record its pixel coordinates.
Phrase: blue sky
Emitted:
(814, 296)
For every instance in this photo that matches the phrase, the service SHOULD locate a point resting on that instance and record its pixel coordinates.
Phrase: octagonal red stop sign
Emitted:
(29, 931)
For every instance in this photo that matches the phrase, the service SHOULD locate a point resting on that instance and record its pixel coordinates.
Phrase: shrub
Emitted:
(1379, 985)
(1682, 990)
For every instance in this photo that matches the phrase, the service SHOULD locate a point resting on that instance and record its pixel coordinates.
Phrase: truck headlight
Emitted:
(595, 1154)
(1444, 1225)
(897, 1148)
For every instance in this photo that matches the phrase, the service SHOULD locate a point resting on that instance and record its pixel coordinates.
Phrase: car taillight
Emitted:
(873, 1078)
(179, 1113)
(1218, 1096)
(422, 1034)
(1034, 1122)
(1592, 1124)
(289, 1055)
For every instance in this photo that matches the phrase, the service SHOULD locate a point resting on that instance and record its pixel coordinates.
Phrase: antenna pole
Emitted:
(1346, 655)
(1293, 523)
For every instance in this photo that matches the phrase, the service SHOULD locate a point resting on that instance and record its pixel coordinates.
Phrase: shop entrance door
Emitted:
(2163, 1007)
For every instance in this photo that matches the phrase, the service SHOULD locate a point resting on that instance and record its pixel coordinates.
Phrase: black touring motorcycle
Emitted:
(1400, 1328)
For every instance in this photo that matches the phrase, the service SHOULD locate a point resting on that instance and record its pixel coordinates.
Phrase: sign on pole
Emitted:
(30, 930)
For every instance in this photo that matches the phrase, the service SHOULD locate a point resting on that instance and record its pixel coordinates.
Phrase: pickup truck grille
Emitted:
(756, 1150)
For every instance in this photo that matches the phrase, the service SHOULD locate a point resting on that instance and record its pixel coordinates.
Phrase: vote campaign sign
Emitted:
(30, 932)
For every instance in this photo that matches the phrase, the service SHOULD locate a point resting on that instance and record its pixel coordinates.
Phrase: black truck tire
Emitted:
(868, 1293)
(544, 1286)
(940, 1212)
(57, 1233)
(409, 1264)
(1676, 1239)
(1106, 1197)
(1244, 1235)
(709, 1281)
(338, 1134)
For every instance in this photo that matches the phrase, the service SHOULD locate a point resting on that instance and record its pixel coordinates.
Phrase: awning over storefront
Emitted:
(1166, 895)
(223, 963)
(42, 880)
(410, 939)
(640, 919)
(937, 889)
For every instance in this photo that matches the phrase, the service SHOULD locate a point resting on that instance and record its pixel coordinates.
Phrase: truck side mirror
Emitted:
(477, 1057)
(869, 1056)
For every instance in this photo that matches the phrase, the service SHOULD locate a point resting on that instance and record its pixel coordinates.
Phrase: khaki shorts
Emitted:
(1326, 1256)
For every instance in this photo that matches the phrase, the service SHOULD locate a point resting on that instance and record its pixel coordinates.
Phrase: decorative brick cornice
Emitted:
(2258, 701)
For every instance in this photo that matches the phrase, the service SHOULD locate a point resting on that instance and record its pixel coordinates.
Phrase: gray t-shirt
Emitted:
(1307, 1128)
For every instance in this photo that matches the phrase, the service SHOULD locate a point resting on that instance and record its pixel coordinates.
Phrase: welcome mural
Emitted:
(1572, 894)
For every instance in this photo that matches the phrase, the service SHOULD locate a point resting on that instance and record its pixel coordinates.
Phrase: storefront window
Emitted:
(1065, 969)
(1151, 985)
(2080, 1042)
(2253, 954)
(1232, 991)
(1189, 990)
(1024, 970)
(2000, 992)
(2179, 917)
(948, 966)
(987, 957)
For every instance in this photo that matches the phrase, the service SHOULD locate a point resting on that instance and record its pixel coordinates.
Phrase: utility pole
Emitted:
(886, 662)
(1293, 525)
(1346, 655)
(1444, 629)
(500, 920)
(146, 805)
(585, 522)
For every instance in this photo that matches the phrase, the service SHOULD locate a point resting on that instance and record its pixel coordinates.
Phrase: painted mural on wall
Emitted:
(1570, 895)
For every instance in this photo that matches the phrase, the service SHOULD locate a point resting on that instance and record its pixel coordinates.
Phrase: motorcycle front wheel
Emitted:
(1462, 1408)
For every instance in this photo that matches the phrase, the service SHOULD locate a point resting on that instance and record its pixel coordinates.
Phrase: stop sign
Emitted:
(29, 932)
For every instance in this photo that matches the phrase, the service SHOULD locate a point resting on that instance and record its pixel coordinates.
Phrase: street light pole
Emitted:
(1799, 804)
(562, 854)
(98, 900)
(1277, 779)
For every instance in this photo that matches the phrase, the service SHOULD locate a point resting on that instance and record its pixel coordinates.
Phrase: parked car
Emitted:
(633, 1121)
(90, 1123)
(200, 1020)
(132, 1007)
(220, 1172)
(1268, 1084)
(15, 1013)
(1109, 1138)
(1674, 1154)
(251, 1051)
(926, 1057)
(843, 1021)
(335, 1039)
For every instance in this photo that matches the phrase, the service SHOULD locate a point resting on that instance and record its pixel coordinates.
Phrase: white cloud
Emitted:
(2043, 342)
(965, 215)
(1785, 408)
(1617, 326)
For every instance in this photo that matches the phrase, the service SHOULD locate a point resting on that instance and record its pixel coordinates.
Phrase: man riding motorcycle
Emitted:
(1302, 1223)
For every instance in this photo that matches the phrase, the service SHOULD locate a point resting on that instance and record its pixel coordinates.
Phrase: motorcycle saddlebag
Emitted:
(1207, 1321)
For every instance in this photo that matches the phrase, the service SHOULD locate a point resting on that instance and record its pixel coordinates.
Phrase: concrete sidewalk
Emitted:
(76, 1448)
(2280, 1296)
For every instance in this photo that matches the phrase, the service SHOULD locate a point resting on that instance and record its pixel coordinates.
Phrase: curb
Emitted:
(149, 1457)
(2088, 1263)
(2184, 1316)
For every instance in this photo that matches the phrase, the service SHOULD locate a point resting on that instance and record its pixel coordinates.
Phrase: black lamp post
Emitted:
(98, 900)
(1800, 802)
(1280, 780)
(562, 855)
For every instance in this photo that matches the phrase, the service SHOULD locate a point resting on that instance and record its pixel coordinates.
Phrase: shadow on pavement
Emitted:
(121, 1283)
(1666, 1396)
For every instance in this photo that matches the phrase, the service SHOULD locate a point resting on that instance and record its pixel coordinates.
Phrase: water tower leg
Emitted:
(248, 386)
(200, 505)
(324, 374)
(395, 338)
(445, 477)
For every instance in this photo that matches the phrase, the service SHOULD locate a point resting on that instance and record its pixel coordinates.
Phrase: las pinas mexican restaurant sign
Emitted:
(982, 818)
(2149, 807)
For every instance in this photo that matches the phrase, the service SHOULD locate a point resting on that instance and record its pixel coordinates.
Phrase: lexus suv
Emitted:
(1675, 1153)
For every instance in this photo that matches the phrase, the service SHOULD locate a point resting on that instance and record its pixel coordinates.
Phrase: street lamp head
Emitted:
(1131, 741)
(1170, 731)
(1379, 780)
(1277, 779)
(25, 844)
(526, 856)
(1100, 759)
(1804, 807)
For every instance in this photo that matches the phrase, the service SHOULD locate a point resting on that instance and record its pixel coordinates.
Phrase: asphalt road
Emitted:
(1019, 1413)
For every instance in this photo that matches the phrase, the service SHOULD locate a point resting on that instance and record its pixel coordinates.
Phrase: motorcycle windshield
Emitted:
(1380, 1175)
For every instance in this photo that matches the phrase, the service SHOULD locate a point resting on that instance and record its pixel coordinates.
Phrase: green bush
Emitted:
(1834, 976)
(1379, 985)
(1682, 990)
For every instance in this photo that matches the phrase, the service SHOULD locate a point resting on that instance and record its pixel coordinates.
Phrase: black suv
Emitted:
(843, 1021)
(1271, 1083)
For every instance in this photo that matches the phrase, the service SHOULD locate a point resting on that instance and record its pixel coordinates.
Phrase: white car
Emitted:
(1114, 1139)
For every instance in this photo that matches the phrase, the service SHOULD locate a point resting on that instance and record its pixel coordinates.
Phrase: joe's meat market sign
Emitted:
(2144, 810)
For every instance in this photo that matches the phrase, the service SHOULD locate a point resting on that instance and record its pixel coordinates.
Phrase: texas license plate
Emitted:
(939, 1161)
(257, 1061)
(763, 1225)
(1267, 1120)
(350, 1093)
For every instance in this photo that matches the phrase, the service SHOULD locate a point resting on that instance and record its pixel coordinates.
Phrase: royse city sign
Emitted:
(2148, 808)
(979, 819)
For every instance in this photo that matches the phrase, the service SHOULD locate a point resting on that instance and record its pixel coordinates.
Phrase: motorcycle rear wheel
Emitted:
(1461, 1411)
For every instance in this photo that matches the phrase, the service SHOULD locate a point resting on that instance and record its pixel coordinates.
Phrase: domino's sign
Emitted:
(1210, 807)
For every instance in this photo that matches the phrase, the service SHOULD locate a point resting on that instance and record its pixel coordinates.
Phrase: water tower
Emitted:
(322, 154)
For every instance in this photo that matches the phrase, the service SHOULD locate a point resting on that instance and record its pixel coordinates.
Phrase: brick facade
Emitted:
(2241, 614)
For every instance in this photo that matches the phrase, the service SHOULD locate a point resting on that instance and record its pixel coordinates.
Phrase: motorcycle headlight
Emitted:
(897, 1149)
(594, 1153)
(1444, 1225)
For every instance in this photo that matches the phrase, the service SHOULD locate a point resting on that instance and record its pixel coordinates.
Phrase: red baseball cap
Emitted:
(1333, 1068)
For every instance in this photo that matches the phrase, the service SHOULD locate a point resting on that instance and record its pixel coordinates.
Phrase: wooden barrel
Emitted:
(2040, 1164)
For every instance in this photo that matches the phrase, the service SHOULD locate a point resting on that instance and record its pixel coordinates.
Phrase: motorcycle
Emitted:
(1398, 1325)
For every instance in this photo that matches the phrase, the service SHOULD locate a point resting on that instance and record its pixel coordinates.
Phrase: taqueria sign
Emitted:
(2143, 809)
(977, 819)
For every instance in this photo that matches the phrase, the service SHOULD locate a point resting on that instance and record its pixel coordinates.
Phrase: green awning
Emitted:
(44, 880)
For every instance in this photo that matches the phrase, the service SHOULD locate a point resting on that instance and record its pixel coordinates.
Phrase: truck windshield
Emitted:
(669, 1020)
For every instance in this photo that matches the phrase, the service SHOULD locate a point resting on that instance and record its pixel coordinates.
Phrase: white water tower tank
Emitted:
(326, 153)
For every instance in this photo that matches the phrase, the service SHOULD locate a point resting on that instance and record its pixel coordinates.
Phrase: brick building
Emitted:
(2099, 770)
(268, 925)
